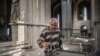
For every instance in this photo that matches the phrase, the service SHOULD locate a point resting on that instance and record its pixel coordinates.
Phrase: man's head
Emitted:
(53, 23)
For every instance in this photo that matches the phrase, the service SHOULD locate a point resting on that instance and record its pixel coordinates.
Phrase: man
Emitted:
(50, 38)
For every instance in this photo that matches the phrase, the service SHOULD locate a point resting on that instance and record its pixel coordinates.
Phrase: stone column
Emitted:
(20, 28)
(32, 12)
(66, 17)
(36, 20)
(41, 15)
(14, 18)
(38, 14)
(92, 12)
(47, 10)
(29, 20)
(97, 25)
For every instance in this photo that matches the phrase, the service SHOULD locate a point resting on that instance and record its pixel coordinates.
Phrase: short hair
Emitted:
(53, 19)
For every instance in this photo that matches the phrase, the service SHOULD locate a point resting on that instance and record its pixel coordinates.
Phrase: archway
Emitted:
(56, 11)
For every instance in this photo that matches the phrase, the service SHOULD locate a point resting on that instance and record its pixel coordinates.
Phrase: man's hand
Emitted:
(45, 45)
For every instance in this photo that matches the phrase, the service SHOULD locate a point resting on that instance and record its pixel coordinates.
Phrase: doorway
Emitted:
(5, 28)
(56, 11)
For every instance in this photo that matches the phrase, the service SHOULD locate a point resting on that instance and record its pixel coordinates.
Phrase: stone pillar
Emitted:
(36, 20)
(97, 10)
(14, 17)
(97, 25)
(38, 13)
(92, 12)
(66, 17)
(30, 7)
(20, 28)
(47, 10)
(32, 13)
